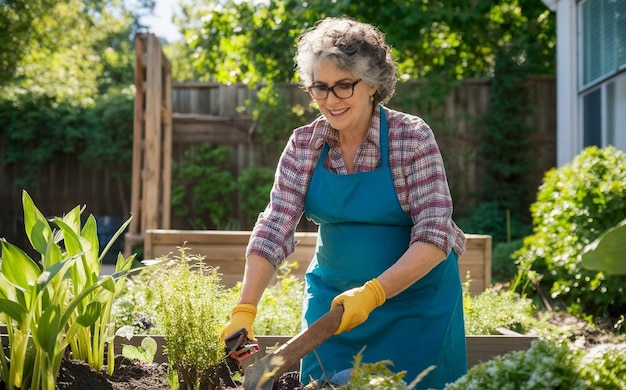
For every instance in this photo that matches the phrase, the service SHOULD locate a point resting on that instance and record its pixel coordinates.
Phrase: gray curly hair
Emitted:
(355, 47)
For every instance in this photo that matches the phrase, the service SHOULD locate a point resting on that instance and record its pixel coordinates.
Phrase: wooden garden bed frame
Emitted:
(226, 250)
(480, 349)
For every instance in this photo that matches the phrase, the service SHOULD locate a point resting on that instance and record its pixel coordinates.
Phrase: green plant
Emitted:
(575, 204)
(493, 309)
(374, 376)
(607, 252)
(604, 367)
(65, 302)
(280, 307)
(192, 312)
(144, 353)
(202, 187)
(503, 266)
(490, 218)
(544, 366)
(254, 185)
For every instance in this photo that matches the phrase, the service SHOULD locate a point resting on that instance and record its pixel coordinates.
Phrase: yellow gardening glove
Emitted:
(358, 303)
(242, 317)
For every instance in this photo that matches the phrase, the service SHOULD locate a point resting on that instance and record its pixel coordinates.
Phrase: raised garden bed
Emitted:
(226, 250)
(479, 348)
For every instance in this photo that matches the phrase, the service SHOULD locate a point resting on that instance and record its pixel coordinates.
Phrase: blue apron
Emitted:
(362, 232)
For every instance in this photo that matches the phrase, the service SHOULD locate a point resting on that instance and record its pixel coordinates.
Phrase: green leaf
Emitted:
(90, 234)
(18, 268)
(112, 240)
(59, 268)
(145, 353)
(13, 310)
(608, 252)
(71, 238)
(49, 328)
(36, 225)
(150, 347)
(90, 315)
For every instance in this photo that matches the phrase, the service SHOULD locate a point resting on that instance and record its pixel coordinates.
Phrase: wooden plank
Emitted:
(481, 349)
(153, 136)
(138, 126)
(168, 126)
(226, 249)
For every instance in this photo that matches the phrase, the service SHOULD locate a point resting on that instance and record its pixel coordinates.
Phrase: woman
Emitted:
(373, 179)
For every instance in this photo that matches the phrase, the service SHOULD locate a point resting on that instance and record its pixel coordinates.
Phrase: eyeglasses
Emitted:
(341, 90)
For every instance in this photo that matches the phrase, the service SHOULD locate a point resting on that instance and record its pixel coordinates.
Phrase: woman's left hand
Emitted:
(358, 303)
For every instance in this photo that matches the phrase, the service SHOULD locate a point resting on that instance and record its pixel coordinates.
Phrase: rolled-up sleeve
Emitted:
(422, 185)
(273, 234)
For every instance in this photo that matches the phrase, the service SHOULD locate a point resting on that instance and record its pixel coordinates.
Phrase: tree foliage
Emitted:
(66, 87)
(235, 41)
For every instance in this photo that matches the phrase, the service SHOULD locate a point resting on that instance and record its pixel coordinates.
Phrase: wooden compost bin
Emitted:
(226, 250)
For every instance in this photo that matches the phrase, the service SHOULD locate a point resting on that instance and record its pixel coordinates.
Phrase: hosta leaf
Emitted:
(36, 225)
(112, 240)
(72, 219)
(13, 310)
(608, 252)
(90, 315)
(49, 328)
(71, 239)
(90, 234)
(17, 267)
(59, 268)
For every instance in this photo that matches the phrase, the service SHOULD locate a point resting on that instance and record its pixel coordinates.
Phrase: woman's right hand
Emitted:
(242, 317)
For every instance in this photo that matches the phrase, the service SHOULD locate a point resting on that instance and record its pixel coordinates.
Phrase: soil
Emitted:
(128, 375)
(76, 375)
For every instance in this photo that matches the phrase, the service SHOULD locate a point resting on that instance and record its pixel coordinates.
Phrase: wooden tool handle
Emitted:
(309, 339)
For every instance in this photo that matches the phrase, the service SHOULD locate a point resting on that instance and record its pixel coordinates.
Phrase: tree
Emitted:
(237, 41)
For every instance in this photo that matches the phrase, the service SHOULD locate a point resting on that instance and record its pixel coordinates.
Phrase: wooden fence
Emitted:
(220, 114)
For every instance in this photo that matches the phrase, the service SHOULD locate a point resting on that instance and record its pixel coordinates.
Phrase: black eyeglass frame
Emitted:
(332, 89)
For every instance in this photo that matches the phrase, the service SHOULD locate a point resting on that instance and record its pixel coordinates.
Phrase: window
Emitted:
(603, 38)
(592, 118)
(604, 114)
(616, 113)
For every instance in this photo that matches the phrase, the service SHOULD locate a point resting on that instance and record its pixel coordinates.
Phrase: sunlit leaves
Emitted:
(251, 42)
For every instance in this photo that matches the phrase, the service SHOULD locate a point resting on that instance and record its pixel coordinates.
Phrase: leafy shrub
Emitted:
(254, 185)
(549, 365)
(279, 311)
(280, 307)
(136, 305)
(489, 218)
(192, 312)
(503, 266)
(544, 366)
(202, 187)
(604, 366)
(39, 130)
(575, 204)
(493, 309)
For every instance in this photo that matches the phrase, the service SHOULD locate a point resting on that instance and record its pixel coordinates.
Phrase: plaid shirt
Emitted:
(418, 175)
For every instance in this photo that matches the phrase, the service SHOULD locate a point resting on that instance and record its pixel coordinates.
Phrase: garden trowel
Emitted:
(262, 374)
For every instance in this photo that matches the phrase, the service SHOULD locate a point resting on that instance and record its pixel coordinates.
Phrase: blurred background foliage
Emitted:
(67, 83)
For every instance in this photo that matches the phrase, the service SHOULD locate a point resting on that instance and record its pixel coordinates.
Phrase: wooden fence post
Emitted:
(152, 141)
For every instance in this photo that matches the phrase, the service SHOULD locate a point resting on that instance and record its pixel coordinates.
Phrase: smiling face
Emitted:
(353, 114)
